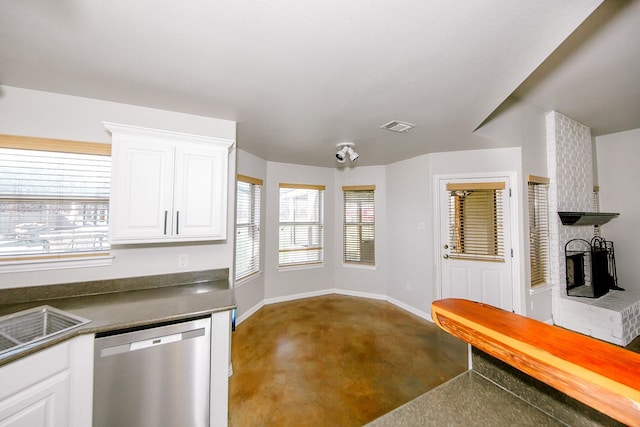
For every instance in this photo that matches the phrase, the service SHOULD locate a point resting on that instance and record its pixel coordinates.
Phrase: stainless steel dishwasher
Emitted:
(158, 376)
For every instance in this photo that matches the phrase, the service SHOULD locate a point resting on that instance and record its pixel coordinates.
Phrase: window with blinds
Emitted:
(538, 229)
(247, 226)
(54, 199)
(476, 221)
(359, 225)
(301, 226)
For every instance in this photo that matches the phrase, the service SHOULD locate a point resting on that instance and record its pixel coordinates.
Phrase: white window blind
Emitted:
(54, 199)
(359, 225)
(538, 229)
(301, 224)
(247, 226)
(476, 221)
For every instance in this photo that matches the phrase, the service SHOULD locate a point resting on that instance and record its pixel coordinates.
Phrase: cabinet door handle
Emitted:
(165, 222)
(177, 222)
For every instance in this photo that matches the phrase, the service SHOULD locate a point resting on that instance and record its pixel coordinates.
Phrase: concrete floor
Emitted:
(335, 361)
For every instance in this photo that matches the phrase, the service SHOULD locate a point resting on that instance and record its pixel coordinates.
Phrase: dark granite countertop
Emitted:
(494, 393)
(122, 303)
(467, 400)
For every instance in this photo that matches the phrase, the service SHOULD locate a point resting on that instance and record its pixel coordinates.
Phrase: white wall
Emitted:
(250, 293)
(618, 177)
(51, 115)
(409, 251)
(522, 125)
(405, 271)
(525, 125)
(41, 114)
(359, 279)
(288, 283)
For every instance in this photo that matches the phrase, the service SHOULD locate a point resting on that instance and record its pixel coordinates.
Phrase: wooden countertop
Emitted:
(601, 375)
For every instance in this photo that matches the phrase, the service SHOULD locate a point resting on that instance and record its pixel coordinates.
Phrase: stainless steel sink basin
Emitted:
(36, 324)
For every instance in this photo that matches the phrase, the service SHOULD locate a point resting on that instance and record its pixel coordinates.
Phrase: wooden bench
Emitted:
(601, 375)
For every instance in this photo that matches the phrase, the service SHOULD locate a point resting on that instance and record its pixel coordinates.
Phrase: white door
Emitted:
(475, 241)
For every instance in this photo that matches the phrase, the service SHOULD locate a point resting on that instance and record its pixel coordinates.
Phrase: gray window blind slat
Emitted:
(53, 203)
(538, 232)
(476, 222)
(359, 227)
(247, 229)
(301, 228)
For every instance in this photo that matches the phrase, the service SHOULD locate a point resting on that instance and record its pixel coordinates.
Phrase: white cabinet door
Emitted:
(167, 186)
(141, 202)
(52, 388)
(45, 404)
(200, 192)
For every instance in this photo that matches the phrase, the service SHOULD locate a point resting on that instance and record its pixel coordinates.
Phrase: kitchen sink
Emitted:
(33, 325)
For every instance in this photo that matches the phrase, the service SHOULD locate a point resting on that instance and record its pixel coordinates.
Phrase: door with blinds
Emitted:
(475, 243)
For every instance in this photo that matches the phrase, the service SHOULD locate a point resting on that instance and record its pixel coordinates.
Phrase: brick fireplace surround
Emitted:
(614, 317)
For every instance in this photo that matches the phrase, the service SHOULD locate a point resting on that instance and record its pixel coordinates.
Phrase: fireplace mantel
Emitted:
(586, 218)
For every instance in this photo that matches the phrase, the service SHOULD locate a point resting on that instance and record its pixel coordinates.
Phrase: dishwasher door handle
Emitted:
(107, 346)
(139, 345)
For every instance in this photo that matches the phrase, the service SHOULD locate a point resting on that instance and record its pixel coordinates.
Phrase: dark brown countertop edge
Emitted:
(202, 293)
(66, 290)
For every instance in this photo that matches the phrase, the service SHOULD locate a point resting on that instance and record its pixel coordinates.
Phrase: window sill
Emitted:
(359, 266)
(54, 264)
(246, 279)
(301, 267)
(538, 289)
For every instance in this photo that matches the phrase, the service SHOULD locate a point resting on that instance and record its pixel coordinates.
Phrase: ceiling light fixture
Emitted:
(345, 148)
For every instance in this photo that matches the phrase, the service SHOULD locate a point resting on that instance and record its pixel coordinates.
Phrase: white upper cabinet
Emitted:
(167, 186)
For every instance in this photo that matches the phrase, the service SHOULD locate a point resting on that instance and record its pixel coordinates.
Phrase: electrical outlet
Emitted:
(183, 261)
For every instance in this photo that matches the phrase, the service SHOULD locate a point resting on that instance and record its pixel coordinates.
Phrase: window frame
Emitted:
(317, 226)
(253, 226)
(41, 261)
(539, 231)
(466, 237)
(352, 248)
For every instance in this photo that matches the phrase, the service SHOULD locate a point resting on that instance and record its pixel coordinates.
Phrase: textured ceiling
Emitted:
(300, 77)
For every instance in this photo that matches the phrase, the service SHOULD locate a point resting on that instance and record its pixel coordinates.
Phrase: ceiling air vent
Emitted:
(397, 126)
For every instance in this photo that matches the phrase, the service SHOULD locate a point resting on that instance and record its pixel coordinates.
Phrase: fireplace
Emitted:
(590, 267)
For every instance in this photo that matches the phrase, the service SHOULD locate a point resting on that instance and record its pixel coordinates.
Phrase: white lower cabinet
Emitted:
(51, 388)
(54, 387)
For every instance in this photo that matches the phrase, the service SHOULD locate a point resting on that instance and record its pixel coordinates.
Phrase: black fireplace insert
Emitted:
(590, 267)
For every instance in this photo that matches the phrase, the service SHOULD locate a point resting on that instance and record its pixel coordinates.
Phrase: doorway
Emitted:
(475, 242)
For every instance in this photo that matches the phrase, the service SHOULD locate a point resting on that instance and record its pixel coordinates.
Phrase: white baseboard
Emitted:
(249, 313)
(267, 301)
(293, 297)
(400, 304)
(359, 294)
(407, 307)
